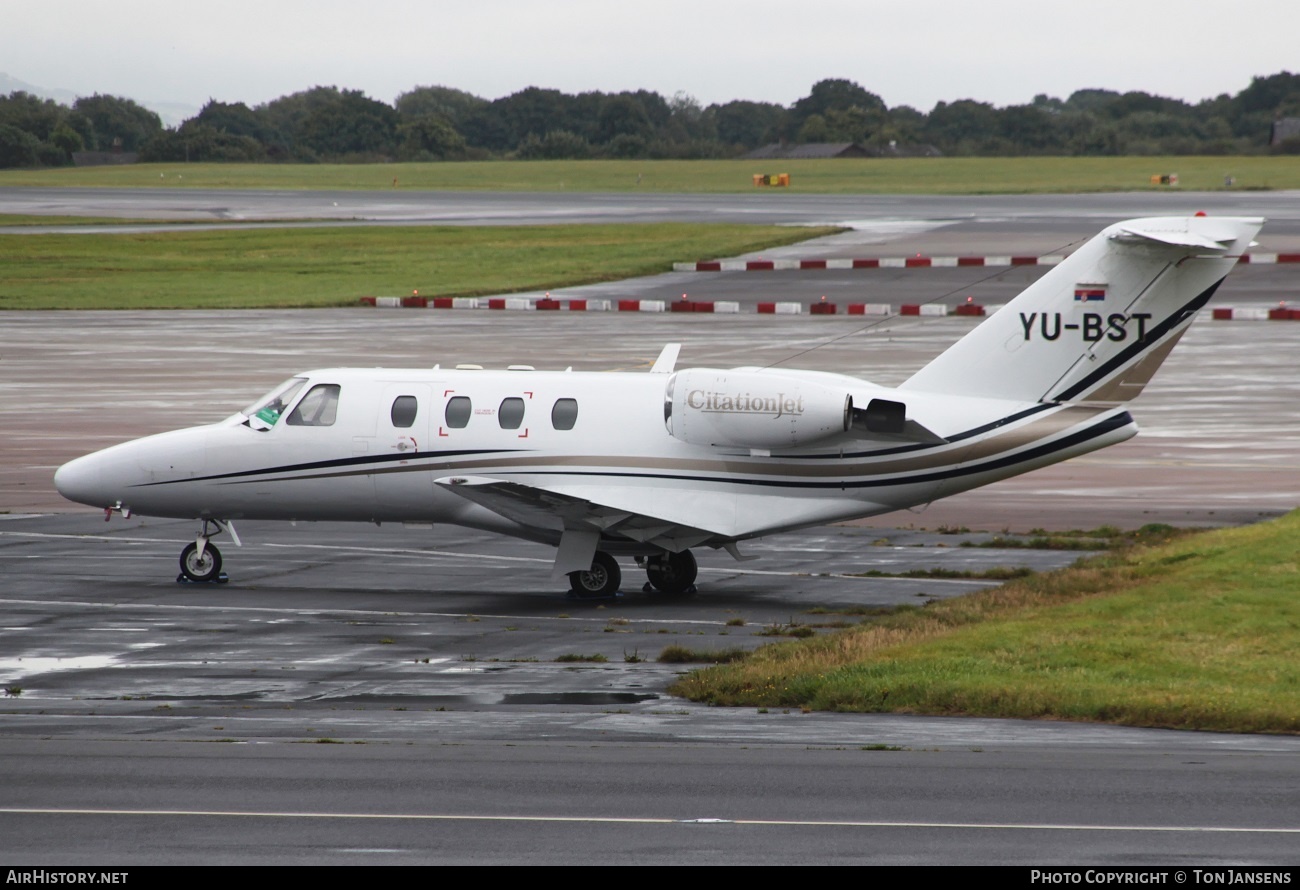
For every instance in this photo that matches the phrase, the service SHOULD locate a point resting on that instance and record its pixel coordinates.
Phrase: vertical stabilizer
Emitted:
(1096, 327)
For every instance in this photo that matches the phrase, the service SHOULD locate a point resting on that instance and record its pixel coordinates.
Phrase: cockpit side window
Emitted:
(266, 411)
(318, 408)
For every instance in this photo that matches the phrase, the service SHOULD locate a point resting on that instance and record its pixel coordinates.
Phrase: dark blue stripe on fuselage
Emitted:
(1101, 428)
(340, 462)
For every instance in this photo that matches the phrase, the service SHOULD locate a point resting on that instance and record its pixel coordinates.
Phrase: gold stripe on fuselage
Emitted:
(997, 442)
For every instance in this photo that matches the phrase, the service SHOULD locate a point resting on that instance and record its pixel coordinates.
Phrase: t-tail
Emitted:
(1096, 327)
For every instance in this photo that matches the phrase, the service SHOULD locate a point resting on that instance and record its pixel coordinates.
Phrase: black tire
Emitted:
(206, 568)
(673, 573)
(602, 579)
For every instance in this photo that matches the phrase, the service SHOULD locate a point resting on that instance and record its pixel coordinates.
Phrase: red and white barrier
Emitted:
(641, 305)
(917, 262)
(1280, 312)
(731, 307)
(926, 309)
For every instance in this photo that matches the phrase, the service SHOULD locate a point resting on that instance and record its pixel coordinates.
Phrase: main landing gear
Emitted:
(601, 580)
(672, 574)
(201, 560)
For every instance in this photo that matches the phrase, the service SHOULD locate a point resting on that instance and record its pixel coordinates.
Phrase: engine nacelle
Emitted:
(706, 406)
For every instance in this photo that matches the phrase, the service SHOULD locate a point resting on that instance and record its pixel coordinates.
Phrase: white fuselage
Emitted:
(619, 453)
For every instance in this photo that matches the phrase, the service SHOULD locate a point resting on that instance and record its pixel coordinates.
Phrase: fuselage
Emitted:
(372, 444)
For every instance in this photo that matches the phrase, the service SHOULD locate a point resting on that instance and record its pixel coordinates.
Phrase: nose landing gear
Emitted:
(201, 560)
(200, 565)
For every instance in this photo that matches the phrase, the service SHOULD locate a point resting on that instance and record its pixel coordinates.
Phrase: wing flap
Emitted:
(554, 508)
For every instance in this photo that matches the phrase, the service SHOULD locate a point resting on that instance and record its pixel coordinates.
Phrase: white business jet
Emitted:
(650, 465)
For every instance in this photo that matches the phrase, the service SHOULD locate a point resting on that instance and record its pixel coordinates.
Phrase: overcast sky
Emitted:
(910, 52)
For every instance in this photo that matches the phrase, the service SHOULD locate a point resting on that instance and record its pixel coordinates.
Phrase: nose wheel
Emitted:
(200, 559)
(200, 565)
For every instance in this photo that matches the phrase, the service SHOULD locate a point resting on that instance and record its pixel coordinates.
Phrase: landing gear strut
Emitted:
(201, 560)
(602, 579)
(672, 573)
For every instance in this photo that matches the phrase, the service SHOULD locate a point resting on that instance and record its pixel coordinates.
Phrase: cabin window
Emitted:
(458, 412)
(318, 408)
(404, 410)
(564, 414)
(511, 413)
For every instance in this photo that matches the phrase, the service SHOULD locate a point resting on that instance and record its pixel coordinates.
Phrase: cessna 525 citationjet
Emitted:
(650, 465)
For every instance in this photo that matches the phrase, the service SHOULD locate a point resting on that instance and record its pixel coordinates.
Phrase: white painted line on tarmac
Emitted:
(649, 820)
(343, 547)
(452, 554)
(387, 614)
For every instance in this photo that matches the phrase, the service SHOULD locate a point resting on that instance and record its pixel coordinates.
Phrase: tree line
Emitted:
(436, 123)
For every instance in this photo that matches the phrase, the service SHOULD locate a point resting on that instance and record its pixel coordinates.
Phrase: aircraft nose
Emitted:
(81, 480)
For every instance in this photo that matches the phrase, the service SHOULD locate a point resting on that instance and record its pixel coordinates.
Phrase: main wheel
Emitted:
(602, 579)
(196, 567)
(672, 573)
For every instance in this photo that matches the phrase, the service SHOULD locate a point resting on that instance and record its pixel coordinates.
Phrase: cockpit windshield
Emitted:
(265, 412)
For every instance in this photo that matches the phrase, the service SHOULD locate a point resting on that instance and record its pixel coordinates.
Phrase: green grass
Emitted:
(335, 266)
(35, 219)
(1197, 633)
(1103, 538)
(849, 176)
(994, 573)
(675, 654)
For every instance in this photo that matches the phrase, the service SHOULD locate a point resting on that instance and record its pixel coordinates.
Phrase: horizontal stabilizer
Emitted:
(1129, 235)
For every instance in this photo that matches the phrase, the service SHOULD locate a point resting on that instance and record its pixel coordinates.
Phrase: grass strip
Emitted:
(36, 220)
(1197, 633)
(1103, 538)
(281, 268)
(916, 176)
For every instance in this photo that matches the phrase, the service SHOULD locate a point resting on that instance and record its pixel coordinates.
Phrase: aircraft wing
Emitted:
(584, 519)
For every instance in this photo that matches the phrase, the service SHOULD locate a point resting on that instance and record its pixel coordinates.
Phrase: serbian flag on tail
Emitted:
(1089, 293)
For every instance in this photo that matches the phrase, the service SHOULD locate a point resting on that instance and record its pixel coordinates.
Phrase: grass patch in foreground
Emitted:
(675, 654)
(914, 176)
(1104, 538)
(993, 573)
(275, 268)
(1197, 633)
